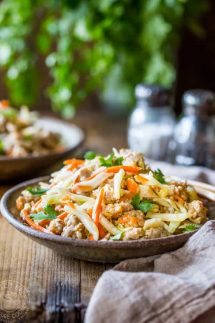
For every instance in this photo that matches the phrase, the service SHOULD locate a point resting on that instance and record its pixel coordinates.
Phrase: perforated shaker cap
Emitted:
(154, 95)
(199, 101)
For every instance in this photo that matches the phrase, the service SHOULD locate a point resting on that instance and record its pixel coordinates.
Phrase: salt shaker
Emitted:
(151, 122)
(194, 135)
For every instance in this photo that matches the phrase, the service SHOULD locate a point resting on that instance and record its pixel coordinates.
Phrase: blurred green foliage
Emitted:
(89, 45)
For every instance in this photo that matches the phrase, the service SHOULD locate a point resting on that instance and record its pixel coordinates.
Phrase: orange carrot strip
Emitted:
(98, 206)
(71, 205)
(129, 169)
(74, 163)
(33, 224)
(84, 188)
(4, 104)
(141, 179)
(102, 232)
(90, 212)
(62, 216)
(132, 186)
(45, 222)
(90, 237)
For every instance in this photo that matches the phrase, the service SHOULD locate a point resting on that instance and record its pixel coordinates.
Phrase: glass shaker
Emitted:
(194, 135)
(152, 121)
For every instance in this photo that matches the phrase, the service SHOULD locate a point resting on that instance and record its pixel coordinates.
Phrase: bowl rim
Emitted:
(64, 151)
(24, 228)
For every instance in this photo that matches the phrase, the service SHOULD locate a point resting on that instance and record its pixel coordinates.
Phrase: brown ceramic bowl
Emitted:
(16, 168)
(98, 251)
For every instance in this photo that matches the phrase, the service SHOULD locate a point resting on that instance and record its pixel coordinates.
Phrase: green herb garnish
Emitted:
(136, 201)
(9, 113)
(1, 147)
(110, 160)
(48, 214)
(159, 176)
(36, 190)
(190, 227)
(144, 205)
(90, 155)
(117, 236)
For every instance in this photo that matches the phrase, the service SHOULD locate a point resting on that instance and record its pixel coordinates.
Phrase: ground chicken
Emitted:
(134, 218)
(109, 194)
(77, 232)
(178, 189)
(116, 210)
(155, 233)
(56, 226)
(197, 212)
(132, 158)
(20, 202)
(133, 234)
(71, 220)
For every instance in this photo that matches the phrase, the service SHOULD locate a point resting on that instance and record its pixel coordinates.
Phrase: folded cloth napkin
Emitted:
(174, 287)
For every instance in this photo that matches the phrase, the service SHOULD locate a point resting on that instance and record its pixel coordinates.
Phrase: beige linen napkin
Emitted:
(171, 288)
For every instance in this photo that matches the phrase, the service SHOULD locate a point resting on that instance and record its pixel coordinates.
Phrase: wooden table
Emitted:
(55, 288)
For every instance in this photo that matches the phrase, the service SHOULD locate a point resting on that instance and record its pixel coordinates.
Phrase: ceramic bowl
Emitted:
(96, 251)
(17, 168)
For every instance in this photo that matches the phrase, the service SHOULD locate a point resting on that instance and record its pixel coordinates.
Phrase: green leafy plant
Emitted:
(91, 45)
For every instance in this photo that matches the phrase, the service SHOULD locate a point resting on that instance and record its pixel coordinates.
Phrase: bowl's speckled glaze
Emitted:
(97, 251)
(16, 168)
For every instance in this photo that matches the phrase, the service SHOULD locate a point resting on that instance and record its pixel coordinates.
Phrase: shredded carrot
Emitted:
(130, 220)
(90, 212)
(62, 216)
(102, 232)
(71, 205)
(4, 104)
(98, 206)
(133, 221)
(126, 197)
(90, 237)
(141, 179)
(129, 169)
(74, 163)
(132, 186)
(84, 188)
(77, 180)
(45, 222)
(33, 224)
(179, 198)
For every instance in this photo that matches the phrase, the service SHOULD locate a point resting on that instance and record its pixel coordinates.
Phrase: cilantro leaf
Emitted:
(191, 227)
(159, 176)
(117, 236)
(90, 155)
(144, 206)
(49, 209)
(48, 214)
(136, 201)
(36, 190)
(42, 216)
(110, 160)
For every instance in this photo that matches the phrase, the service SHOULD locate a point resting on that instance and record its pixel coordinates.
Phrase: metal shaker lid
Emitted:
(153, 95)
(199, 101)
